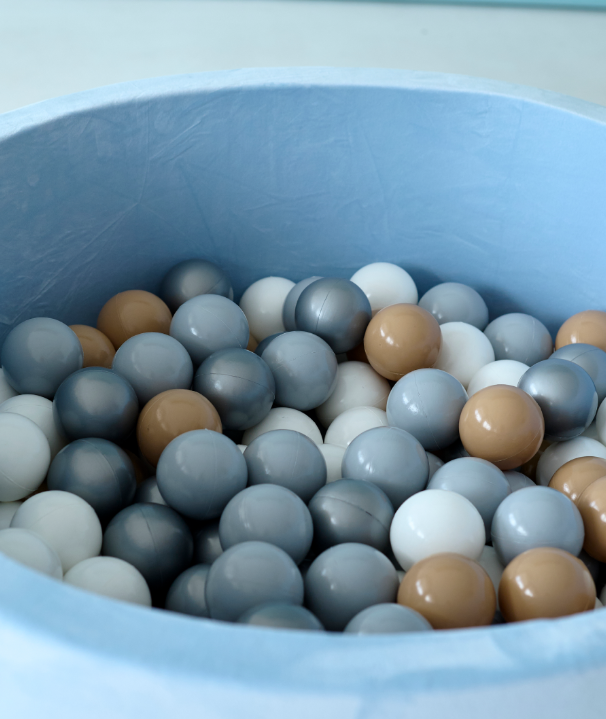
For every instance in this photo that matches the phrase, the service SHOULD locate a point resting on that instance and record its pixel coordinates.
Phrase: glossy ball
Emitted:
(336, 310)
(517, 480)
(148, 492)
(98, 350)
(427, 403)
(7, 512)
(451, 591)
(545, 583)
(556, 455)
(288, 311)
(207, 543)
(24, 456)
(573, 478)
(536, 517)
(591, 359)
(187, 594)
(263, 304)
(248, 575)
(264, 344)
(387, 619)
(110, 577)
(385, 284)
(434, 464)
(28, 548)
(131, 313)
(503, 425)
(38, 354)
(519, 337)
(587, 327)
(464, 351)
(499, 372)
(284, 418)
(592, 506)
(489, 561)
(199, 472)
(454, 302)
(281, 616)
(351, 423)
(6, 391)
(191, 278)
(40, 411)
(402, 338)
(333, 456)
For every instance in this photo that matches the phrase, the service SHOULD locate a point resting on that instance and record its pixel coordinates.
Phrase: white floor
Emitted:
(54, 47)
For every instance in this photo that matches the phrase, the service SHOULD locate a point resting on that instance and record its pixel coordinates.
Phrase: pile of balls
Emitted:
(329, 455)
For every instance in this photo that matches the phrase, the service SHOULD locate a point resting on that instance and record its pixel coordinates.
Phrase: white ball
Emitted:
(40, 411)
(435, 521)
(357, 385)
(7, 512)
(6, 391)
(499, 372)
(490, 564)
(110, 577)
(333, 456)
(464, 351)
(242, 448)
(30, 549)
(385, 284)
(434, 464)
(349, 424)
(600, 422)
(592, 432)
(559, 453)
(24, 456)
(284, 418)
(262, 304)
(65, 521)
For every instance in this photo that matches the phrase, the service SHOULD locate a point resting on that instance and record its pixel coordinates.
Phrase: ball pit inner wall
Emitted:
(296, 173)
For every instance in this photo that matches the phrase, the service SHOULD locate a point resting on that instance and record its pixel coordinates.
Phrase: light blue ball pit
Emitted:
(296, 173)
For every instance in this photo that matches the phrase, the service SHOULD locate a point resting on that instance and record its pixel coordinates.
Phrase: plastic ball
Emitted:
(288, 311)
(455, 302)
(110, 577)
(434, 464)
(199, 472)
(263, 304)
(207, 543)
(38, 354)
(387, 619)
(385, 284)
(351, 423)
(556, 455)
(191, 278)
(40, 411)
(148, 492)
(436, 521)
(7, 512)
(6, 391)
(98, 350)
(24, 456)
(499, 372)
(573, 478)
(464, 351)
(517, 480)
(591, 359)
(26, 547)
(281, 616)
(489, 561)
(131, 313)
(587, 327)
(284, 418)
(336, 310)
(264, 344)
(600, 423)
(592, 506)
(519, 337)
(333, 456)
(187, 594)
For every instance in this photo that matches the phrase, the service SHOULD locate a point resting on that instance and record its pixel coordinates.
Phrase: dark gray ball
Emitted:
(336, 310)
(566, 395)
(268, 513)
(199, 472)
(240, 386)
(519, 337)
(591, 359)
(387, 619)
(248, 575)
(153, 362)
(152, 538)
(287, 458)
(304, 368)
(346, 579)
(192, 278)
(391, 458)
(96, 402)
(38, 354)
(207, 543)
(288, 311)
(187, 593)
(148, 492)
(454, 302)
(281, 616)
(264, 344)
(98, 471)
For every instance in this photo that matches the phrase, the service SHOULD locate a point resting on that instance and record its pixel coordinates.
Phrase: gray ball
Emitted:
(264, 344)
(536, 517)
(479, 481)
(434, 463)
(96, 402)
(199, 472)
(148, 492)
(304, 368)
(591, 359)
(389, 457)
(336, 310)
(281, 616)
(387, 619)
(192, 278)
(427, 403)
(288, 311)
(187, 593)
(38, 354)
(566, 395)
(454, 302)
(268, 513)
(98, 471)
(517, 480)
(351, 510)
(287, 458)
(207, 324)
(248, 575)
(346, 579)
(153, 362)
(152, 538)
(519, 337)
(240, 386)
(207, 544)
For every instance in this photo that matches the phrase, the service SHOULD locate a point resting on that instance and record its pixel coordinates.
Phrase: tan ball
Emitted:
(98, 350)
(573, 478)
(131, 313)
(592, 506)
(587, 327)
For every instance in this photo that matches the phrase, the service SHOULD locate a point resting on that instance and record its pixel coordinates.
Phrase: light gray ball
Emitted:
(387, 619)
(427, 403)
(153, 362)
(518, 481)
(264, 344)
(304, 368)
(199, 472)
(207, 324)
(207, 544)
(346, 579)
(248, 575)
(536, 517)
(187, 593)
(148, 492)
(519, 337)
(479, 481)
(281, 616)
(287, 458)
(38, 354)
(389, 457)
(591, 359)
(434, 464)
(454, 302)
(566, 395)
(268, 513)
(336, 310)
(192, 278)
(288, 311)
(239, 385)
